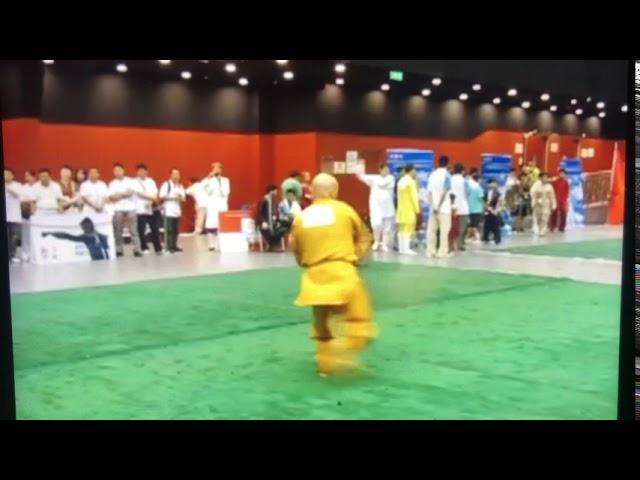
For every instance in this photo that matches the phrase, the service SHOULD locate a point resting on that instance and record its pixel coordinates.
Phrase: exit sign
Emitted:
(396, 75)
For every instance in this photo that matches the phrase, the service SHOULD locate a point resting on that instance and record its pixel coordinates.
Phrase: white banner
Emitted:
(71, 238)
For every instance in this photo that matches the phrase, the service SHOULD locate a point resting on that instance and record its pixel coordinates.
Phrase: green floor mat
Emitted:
(454, 345)
(602, 249)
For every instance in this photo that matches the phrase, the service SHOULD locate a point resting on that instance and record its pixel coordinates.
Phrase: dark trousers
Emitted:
(143, 221)
(491, 226)
(558, 220)
(14, 232)
(171, 227)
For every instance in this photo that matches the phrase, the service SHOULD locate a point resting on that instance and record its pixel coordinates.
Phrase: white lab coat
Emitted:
(218, 190)
(381, 204)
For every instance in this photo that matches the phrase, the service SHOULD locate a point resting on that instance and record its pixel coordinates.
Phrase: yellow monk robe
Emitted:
(328, 239)
(408, 205)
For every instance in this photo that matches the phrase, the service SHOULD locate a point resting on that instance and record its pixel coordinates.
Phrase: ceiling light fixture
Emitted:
(288, 75)
(230, 67)
(477, 87)
(121, 67)
(464, 97)
(545, 97)
(186, 75)
(426, 92)
(385, 87)
(497, 101)
(48, 62)
(341, 68)
(437, 81)
(243, 81)
(512, 92)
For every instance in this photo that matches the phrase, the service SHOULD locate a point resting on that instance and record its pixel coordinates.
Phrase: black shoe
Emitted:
(462, 249)
(137, 254)
(178, 250)
(119, 254)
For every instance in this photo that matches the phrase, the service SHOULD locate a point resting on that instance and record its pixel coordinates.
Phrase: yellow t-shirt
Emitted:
(408, 201)
(328, 239)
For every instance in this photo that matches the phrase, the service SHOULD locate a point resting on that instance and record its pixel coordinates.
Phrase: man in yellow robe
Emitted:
(328, 239)
(408, 210)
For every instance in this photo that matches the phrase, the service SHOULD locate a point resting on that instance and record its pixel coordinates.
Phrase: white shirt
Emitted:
(381, 203)
(122, 185)
(146, 186)
(27, 193)
(173, 195)
(438, 183)
(96, 192)
(199, 195)
(218, 190)
(46, 198)
(12, 197)
(459, 189)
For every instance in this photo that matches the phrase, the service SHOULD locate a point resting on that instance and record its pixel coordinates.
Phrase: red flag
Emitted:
(616, 203)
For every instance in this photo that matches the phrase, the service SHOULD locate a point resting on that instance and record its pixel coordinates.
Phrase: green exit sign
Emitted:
(396, 75)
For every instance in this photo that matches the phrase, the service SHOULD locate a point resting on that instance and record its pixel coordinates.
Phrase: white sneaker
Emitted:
(384, 248)
(146, 252)
(410, 252)
(444, 255)
(375, 247)
(16, 260)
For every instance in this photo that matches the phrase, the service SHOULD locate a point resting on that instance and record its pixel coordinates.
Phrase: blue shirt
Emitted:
(476, 197)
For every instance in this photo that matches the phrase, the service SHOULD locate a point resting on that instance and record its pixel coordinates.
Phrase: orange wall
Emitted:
(251, 161)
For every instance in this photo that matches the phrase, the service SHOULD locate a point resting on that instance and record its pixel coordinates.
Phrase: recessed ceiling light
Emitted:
(121, 67)
(339, 81)
(282, 62)
(204, 61)
(512, 92)
(164, 62)
(437, 81)
(497, 101)
(477, 87)
(588, 99)
(579, 111)
(186, 75)
(625, 108)
(464, 97)
(600, 105)
(48, 62)
(385, 87)
(602, 114)
(545, 97)
(426, 92)
(230, 67)
(341, 68)
(553, 108)
(243, 81)
(574, 101)
(288, 75)
(526, 105)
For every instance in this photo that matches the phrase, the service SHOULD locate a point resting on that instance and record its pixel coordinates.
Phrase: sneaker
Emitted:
(384, 248)
(146, 252)
(119, 254)
(16, 260)
(375, 247)
(137, 254)
(179, 250)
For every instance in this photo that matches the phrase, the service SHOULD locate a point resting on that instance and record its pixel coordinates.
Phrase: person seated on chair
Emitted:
(289, 208)
(271, 227)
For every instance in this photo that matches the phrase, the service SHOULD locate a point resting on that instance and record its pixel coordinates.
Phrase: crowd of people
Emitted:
(134, 202)
(460, 210)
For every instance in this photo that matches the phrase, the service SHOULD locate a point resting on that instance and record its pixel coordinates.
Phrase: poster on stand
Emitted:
(71, 238)
(576, 177)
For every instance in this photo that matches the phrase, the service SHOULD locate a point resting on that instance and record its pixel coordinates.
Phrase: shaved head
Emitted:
(325, 186)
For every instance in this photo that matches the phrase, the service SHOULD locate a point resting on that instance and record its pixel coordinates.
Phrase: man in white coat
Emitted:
(218, 189)
(382, 212)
